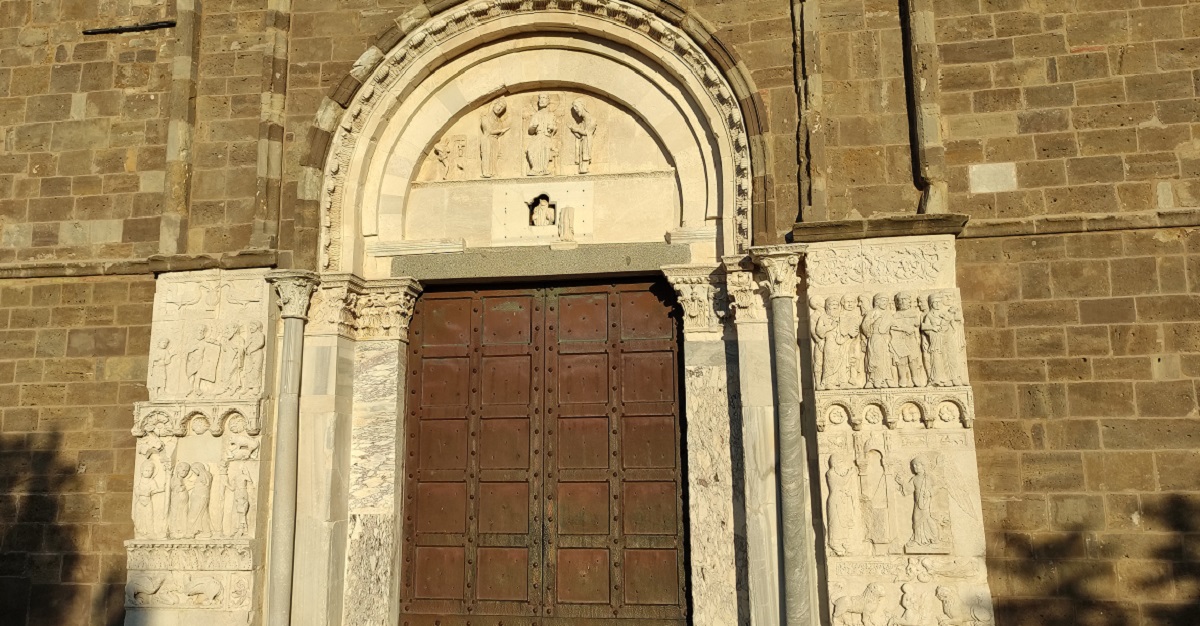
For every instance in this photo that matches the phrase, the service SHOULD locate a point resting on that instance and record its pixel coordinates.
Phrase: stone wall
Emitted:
(82, 131)
(1085, 358)
(1051, 108)
(72, 363)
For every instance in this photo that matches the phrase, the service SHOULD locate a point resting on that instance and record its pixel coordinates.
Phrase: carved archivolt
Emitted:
(420, 45)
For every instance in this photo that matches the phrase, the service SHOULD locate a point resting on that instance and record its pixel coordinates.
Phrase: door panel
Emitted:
(542, 459)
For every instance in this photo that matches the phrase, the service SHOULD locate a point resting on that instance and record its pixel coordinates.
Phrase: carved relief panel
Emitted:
(546, 167)
(197, 469)
(894, 412)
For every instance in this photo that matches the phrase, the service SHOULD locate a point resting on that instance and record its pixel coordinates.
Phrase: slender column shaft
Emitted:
(799, 556)
(294, 289)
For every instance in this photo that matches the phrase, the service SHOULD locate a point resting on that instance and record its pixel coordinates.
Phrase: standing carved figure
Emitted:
(493, 126)
(252, 368)
(145, 506)
(923, 487)
(199, 519)
(815, 314)
(850, 339)
(566, 224)
(841, 503)
(542, 127)
(828, 336)
(229, 366)
(201, 362)
(156, 378)
(877, 330)
(241, 503)
(177, 523)
(443, 151)
(873, 485)
(906, 342)
(941, 328)
(584, 128)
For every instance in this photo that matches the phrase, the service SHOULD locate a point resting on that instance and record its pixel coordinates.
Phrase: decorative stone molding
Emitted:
(196, 489)
(294, 288)
(904, 528)
(386, 73)
(780, 265)
(702, 295)
(348, 306)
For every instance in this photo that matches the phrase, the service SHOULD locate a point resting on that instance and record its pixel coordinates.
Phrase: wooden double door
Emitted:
(542, 459)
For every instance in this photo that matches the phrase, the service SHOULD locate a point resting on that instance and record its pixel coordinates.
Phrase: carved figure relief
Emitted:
(493, 125)
(147, 506)
(885, 341)
(252, 368)
(584, 128)
(450, 153)
(541, 211)
(878, 264)
(541, 152)
(840, 479)
(914, 607)
(873, 485)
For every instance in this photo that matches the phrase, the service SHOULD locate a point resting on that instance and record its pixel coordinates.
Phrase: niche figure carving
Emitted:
(493, 126)
(584, 128)
(450, 153)
(841, 504)
(543, 128)
(541, 211)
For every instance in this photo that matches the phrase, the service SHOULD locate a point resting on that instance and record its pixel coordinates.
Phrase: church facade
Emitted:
(599, 312)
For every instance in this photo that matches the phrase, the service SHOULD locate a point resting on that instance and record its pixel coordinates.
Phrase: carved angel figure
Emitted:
(493, 126)
(877, 329)
(542, 126)
(841, 503)
(584, 128)
(906, 342)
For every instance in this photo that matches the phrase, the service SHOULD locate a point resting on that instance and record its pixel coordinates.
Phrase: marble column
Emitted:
(294, 289)
(748, 308)
(800, 576)
(714, 575)
(894, 411)
(373, 534)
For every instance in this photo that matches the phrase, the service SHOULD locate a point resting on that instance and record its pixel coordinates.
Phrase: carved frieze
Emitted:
(183, 590)
(886, 340)
(882, 262)
(217, 555)
(702, 295)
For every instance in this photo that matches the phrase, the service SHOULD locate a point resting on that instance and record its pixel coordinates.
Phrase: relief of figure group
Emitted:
(222, 359)
(541, 130)
(885, 341)
(195, 500)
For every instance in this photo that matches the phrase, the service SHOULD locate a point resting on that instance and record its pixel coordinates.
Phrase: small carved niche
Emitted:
(542, 211)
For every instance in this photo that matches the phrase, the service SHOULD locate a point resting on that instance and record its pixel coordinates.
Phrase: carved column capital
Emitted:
(334, 307)
(701, 291)
(294, 287)
(780, 265)
(746, 296)
(385, 308)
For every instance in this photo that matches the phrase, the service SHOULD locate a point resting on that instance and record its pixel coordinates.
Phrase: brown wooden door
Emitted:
(543, 471)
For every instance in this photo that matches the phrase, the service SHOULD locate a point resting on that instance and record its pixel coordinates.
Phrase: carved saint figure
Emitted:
(816, 304)
(916, 610)
(252, 368)
(877, 329)
(229, 365)
(867, 606)
(584, 128)
(178, 513)
(542, 127)
(146, 507)
(199, 520)
(848, 339)
(906, 342)
(942, 328)
(493, 126)
(201, 362)
(241, 484)
(841, 503)
(834, 360)
(156, 378)
(873, 485)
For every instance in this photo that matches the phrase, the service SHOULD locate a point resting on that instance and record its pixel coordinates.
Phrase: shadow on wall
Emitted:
(1148, 576)
(44, 578)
